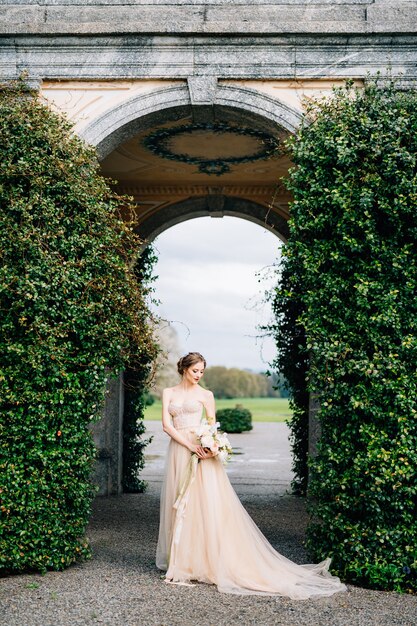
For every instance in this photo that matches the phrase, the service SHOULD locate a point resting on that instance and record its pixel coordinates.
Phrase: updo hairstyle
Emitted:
(188, 360)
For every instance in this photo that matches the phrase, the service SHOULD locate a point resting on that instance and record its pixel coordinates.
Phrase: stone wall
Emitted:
(209, 17)
(108, 437)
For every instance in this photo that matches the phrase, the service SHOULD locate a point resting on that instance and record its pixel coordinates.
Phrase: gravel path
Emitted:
(120, 586)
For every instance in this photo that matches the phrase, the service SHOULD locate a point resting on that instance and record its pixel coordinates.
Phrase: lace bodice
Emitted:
(186, 415)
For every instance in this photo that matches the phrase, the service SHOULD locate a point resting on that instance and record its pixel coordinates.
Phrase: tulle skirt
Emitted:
(206, 535)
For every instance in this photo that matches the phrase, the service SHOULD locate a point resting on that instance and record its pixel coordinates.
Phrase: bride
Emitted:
(205, 533)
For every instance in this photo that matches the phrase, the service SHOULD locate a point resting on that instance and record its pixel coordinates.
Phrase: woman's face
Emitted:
(194, 373)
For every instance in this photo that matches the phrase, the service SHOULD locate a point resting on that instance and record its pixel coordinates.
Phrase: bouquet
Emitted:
(214, 440)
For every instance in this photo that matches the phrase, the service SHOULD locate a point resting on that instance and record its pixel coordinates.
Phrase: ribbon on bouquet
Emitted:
(180, 503)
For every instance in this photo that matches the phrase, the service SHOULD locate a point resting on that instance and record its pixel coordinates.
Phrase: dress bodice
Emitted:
(186, 415)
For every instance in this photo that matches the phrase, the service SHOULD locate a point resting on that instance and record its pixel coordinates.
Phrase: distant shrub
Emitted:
(235, 420)
(149, 398)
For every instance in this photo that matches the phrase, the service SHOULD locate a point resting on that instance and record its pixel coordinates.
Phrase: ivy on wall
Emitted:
(353, 252)
(292, 363)
(136, 378)
(71, 310)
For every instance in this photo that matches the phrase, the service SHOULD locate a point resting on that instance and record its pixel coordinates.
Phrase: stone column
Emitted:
(108, 437)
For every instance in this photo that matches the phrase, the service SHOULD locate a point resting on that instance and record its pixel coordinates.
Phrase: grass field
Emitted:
(262, 409)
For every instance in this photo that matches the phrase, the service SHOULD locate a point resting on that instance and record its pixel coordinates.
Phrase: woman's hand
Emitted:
(196, 449)
(201, 452)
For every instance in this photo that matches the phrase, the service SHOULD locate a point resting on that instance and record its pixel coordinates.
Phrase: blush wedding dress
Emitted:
(206, 535)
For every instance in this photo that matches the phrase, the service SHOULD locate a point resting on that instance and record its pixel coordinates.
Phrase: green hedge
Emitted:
(70, 312)
(353, 245)
(136, 394)
(234, 420)
(292, 363)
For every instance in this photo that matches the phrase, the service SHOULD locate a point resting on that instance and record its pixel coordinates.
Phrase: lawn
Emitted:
(262, 409)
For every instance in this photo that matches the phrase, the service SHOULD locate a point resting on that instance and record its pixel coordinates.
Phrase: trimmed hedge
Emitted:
(292, 362)
(136, 395)
(71, 311)
(353, 246)
(234, 420)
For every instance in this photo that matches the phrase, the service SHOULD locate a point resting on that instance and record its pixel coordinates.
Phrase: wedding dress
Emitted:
(206, 535)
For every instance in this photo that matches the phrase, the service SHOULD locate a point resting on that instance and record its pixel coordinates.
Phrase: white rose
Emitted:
(203, 431)
(225, 443)
(207, 441)
(223, 456)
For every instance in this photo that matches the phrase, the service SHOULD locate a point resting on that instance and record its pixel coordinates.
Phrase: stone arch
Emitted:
(230, 103)
(213, 206)
(142, 111)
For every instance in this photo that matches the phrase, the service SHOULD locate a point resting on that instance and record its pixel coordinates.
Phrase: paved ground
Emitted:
(120, 586)
(261, 462)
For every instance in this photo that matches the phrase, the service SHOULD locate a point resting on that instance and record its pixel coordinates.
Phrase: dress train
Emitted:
(206, 534)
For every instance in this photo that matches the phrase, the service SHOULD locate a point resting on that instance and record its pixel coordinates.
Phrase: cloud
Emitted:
(209, 288)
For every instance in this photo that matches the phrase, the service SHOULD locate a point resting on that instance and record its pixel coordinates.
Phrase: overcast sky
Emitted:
(208, 287)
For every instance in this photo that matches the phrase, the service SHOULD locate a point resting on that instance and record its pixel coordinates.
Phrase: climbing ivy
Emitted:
(292, 362)
(137, 377)
(71, 311)
(353, 248)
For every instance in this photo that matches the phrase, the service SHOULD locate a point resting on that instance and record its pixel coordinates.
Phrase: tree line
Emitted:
(233, 382)
(223, 381)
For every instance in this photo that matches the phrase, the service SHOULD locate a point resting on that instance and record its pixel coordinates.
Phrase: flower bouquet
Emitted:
(214, 440)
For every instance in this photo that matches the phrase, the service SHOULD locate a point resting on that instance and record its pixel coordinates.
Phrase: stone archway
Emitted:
(174, 189)
(202, 96)
(171, 189)
(213, 205)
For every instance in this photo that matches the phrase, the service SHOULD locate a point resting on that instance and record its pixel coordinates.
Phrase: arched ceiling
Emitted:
(170, 163)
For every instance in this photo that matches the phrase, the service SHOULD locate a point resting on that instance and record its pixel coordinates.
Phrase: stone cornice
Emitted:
(266, 191)
(285, 56)
(274, 198)
(236, 18)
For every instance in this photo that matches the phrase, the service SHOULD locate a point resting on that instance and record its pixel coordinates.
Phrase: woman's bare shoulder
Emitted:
(207, 394)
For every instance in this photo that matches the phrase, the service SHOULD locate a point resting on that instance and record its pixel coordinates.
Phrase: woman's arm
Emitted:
(173, 432)
(210, 406)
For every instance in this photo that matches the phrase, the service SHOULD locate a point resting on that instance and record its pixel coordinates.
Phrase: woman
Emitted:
(205, 534)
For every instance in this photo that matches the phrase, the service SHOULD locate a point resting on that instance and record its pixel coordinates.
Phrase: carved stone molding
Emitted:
(152, 199)
(202, 89)
(197, 190)
(257, 57)
(142, 111)
(215, 204)
(151, 224)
